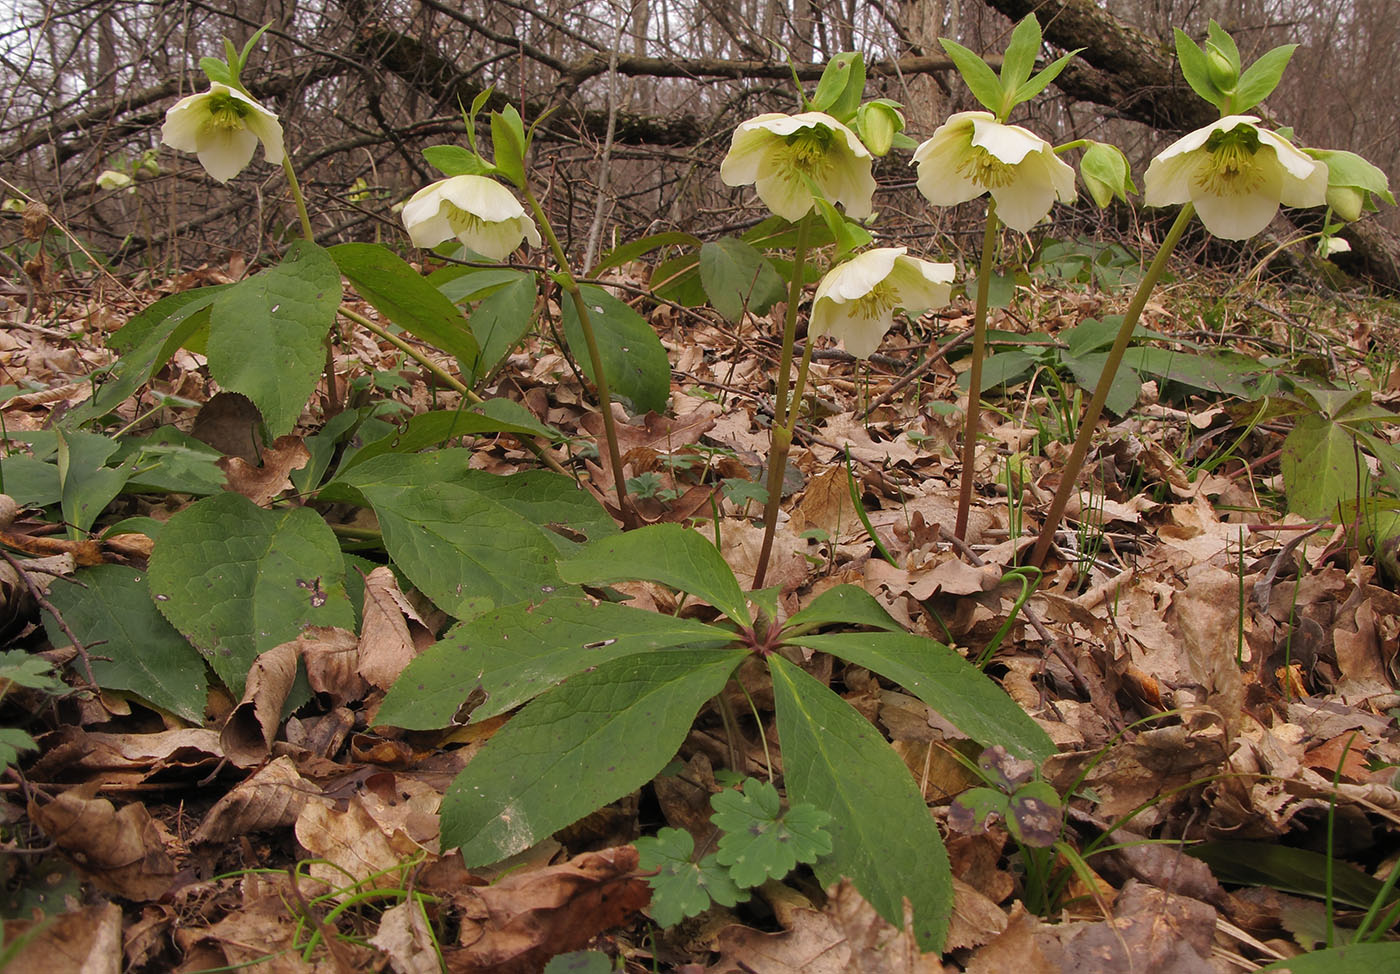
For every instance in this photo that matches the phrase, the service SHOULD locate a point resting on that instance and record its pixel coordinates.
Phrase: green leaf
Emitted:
(238, 580)
(882, 834)
(216, 70)
(1042, 80)
(1106, 174)
(1350, 959)
(111, 605)
(980, 78)
(25, 670)
(1321, 468)
(454, 160)
(400, 293)
(580, 962)
(960, 692)
(466, 551)
(600, 736)
(738, 278)
(549, 500)
(1218, 38)
(634, 362)
(440, 426)
(841, 87)
(1123, 392)
(464, 284)
(1285, 868)
(266, 333)
(86, 485)
(759, 841)
(1195, 68)
(170, 461)
(666, 553)
(12, 742)
(508, 144)
(499, 322)
(1019, 60)
(156, 318)
(506, 657)
(846, 605)
(633, 249)
(1260, 79)
(678, 280)
(29, 481)
(682, 888)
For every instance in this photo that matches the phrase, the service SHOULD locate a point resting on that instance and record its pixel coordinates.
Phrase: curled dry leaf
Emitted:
(271, 798)
(353, 845)
(386, 645)
(260, 484)
(252, 727)
(331, 656)
(87, 941)
(122, 850)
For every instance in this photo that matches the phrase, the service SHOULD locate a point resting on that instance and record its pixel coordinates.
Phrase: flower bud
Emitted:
(1222, 72)
(877, 124)
(1346, 201)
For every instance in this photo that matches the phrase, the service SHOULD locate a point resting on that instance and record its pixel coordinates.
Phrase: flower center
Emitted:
(463, 221)
(226, 112)
(809, 150)
(1232, 169)
(985, 169)
(877, 303)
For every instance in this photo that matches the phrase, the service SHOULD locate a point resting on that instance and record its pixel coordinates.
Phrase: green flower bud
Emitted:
(1346, 201)
(877, 125)
(1222, 72)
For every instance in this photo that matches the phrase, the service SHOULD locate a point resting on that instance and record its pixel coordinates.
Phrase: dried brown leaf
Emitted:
(386, 646)
(88, 941)
(122, 850)
(252, 727)
(262, 483)
(271, 798)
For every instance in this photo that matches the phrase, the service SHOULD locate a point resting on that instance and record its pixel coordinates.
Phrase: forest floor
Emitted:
(1219, 674)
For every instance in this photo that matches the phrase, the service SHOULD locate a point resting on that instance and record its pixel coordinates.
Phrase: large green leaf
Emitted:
(1087, 369)
(1322, 469)
(633, 360)
(109, 607)
(465, 550)
(267, 333)
(86, 484)
(440, 426)
(883, 837)
(401, 294)
(504, 658)
(847, 605)
(1292, 870)
(1352, 959)
(550, 501)
(600, 736)
(738, 278)
(666, 553)
(238, 580)
(960, 692)
(499, 322)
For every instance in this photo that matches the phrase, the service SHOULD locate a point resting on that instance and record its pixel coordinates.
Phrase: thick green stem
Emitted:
(595, 358)
(1070, 473)
(784, 410)
(300, 200)
(974, 384)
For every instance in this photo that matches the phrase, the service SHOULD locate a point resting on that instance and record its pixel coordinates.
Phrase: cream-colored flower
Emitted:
(112, 179)
(785, 156)
(222, 126)
(1236, 175)
(856, 301)
(478, 211)
(972, 153)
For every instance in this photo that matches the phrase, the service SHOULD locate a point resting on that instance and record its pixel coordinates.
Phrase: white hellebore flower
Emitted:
(223, 127)
(972, 153)
(855, 301)
(478, 211)
(785, 155)
(112, 179)
(1236, 175)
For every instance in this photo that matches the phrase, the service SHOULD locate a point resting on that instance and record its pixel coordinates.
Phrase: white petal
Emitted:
(1009, 143)
(1196, 139)
(265, 126)
(1169, 179)
(783, 191)
(482, 197)
(861, 336)
(938, 159)
(1241, 217)
(225, 152)
(922, 284)
(1304, 178)
(183, 122)
(858, 276)
(750, 143)
(851, 184)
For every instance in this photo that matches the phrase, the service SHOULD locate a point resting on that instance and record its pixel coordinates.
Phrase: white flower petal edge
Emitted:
(478, 211)
(223, 127)
(972, 153)
(771, 152)
(855, 302)
(1236, 174)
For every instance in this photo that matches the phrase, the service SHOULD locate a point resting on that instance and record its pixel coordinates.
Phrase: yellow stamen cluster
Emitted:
(226, 113)
(877, 303)
(1232, 170)
(985, 169)
(809, 151)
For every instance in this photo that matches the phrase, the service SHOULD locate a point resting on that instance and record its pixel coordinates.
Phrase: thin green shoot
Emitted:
(860, 512)
(1029, 577)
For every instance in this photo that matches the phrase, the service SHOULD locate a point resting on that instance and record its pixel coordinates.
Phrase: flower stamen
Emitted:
(985, 169)
(1231, 169)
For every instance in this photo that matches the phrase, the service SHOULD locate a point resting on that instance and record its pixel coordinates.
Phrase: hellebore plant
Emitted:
(479, 212)
(976, 153)
(1232, 173)
(855, 302)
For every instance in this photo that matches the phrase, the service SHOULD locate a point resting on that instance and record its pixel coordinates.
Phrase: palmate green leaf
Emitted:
(499, 322)
(738, 278)
(551, 501)
(846, 605)
(634, 361)
(111, 604)
(266, 333)
(683, 888)
(960, 692)
(1042, 80)
(981, 79)
(86, 484)
(1195, 68)
(441, 426)
(238, 580)
(454, 160)
(580, 962)
(630, 251)
(882, 834)
(759, 841)
(1260, 79)
(12, 742)
(25, 670)
(508, 656)
(666, 553)
(1322, 468)
(600, 736)
(465, 550)
(401, 294)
